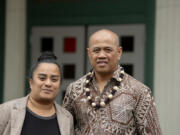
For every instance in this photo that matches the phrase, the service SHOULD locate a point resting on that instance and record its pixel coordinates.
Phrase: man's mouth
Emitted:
(102, 63)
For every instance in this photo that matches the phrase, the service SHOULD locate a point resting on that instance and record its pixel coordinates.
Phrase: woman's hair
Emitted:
(46, 57)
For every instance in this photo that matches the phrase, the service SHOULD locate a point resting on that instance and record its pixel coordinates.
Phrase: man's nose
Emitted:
(102, 54)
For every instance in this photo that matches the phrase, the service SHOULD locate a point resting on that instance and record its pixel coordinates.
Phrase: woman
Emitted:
(38, 113)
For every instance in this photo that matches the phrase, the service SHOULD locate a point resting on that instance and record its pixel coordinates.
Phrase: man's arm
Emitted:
(146, 115)
(68, 100)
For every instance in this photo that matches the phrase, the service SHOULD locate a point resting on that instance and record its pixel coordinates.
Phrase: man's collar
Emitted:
(114, 76)
(116, 73)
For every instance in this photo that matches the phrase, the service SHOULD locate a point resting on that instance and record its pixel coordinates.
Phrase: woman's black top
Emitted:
(38, 125)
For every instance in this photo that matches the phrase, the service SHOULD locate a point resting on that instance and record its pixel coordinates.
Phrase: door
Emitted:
(69, 43)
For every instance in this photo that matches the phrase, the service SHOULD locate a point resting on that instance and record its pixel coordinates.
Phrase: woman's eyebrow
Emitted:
(56, 76)
(41, 74)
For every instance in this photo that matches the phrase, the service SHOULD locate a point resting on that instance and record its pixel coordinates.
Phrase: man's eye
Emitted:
(108, 50)
(96, 50)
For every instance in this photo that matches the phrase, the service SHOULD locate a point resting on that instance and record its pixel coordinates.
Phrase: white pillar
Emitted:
(15, 43)
(167, 65)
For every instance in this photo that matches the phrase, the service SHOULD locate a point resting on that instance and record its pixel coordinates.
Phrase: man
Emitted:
(108, 101)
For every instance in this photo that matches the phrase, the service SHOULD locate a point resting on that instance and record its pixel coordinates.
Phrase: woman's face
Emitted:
(45, 82)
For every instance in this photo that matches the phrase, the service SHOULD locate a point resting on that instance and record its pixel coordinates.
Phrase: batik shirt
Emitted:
(131, 111)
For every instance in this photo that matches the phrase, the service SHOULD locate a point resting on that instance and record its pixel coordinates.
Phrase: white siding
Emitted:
(167, 65)
(15, 44)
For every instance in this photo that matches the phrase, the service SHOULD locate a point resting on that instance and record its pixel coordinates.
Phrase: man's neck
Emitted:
(102, 79)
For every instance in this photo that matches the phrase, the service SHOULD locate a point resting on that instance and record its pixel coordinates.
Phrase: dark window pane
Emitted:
(46, 44)
(69, 44)
(128, 68)
(69, 71)
(127, 42)
(63, 94)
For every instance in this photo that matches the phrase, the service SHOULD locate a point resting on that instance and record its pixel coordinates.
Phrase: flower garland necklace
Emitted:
(109, 97)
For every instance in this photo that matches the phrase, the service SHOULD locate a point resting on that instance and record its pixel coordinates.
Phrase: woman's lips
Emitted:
(48, 91)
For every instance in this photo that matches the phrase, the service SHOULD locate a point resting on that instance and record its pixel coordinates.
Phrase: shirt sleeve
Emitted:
(146, 116)
(68, 101)
(4, 117)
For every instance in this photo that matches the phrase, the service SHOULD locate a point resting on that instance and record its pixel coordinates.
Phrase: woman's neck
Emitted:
(42, 109)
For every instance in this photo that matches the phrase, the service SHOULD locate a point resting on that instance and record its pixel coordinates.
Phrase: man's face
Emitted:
(104, 52)
(45, 82)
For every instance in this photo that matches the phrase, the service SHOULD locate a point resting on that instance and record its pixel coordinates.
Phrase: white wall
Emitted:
(167, 65)
(15, 43)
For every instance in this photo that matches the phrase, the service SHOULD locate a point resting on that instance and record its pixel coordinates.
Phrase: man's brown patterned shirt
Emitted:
(130, 112)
